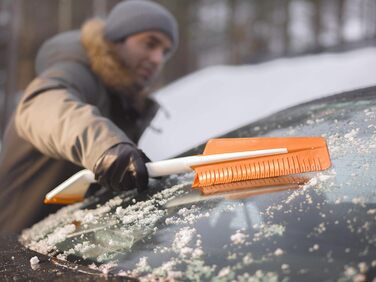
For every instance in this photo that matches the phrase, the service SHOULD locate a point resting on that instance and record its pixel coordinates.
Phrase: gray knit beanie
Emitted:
(134, 16)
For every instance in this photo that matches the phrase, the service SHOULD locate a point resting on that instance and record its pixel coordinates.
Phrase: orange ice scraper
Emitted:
(224, 160)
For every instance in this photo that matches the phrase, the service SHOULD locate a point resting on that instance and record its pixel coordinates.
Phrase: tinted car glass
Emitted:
(321, 230)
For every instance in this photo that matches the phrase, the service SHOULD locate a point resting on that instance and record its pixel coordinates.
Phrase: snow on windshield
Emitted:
(176, 234)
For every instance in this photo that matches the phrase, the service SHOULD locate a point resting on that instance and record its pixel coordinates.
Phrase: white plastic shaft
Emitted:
(80, 182)
(185, 164)
(74, 185)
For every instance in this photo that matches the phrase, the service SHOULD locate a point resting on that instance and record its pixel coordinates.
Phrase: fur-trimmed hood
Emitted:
(103, 59)
(88, 46)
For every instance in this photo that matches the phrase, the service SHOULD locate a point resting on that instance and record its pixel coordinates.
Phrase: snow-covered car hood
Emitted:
(322, 230)
(219, 99)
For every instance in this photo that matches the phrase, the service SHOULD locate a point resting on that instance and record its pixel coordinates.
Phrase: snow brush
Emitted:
(224, 160)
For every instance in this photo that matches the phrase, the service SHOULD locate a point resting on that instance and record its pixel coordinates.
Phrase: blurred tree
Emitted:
(236, 32)
(33, 16)
(183, 61)
(285, 22)
(316, 24)
(5, 35)
(370, 8)
(259, 23)
(100, 8)
(340, 19)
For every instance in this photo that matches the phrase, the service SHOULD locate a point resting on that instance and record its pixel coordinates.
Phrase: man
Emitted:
(87, 108)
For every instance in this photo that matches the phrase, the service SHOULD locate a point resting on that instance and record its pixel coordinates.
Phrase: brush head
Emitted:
(258, 186)
(305, 154)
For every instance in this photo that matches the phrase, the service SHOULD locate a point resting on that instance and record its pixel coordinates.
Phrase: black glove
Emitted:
(122, 167)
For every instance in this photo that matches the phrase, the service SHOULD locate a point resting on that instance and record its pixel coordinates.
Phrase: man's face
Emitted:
(144, 55)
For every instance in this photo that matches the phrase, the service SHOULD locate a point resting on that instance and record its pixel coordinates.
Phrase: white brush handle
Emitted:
(185, 164)
(80, 182)
(77, 185)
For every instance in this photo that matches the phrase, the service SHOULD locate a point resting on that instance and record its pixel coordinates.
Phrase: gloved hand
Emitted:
(122, 167)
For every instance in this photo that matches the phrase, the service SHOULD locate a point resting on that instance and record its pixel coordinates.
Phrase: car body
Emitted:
(322, 230)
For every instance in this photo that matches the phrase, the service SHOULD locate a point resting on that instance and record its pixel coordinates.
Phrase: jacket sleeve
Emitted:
(57, 114)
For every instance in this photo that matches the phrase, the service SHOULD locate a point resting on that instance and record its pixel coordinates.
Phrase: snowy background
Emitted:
(218, 99)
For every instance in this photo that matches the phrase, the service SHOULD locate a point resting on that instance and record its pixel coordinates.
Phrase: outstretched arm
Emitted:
(58, 115)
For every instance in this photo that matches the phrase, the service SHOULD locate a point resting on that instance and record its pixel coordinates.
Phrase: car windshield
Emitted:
(321, 229)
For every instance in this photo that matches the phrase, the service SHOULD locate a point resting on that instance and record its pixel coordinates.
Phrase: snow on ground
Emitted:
(216, 100)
